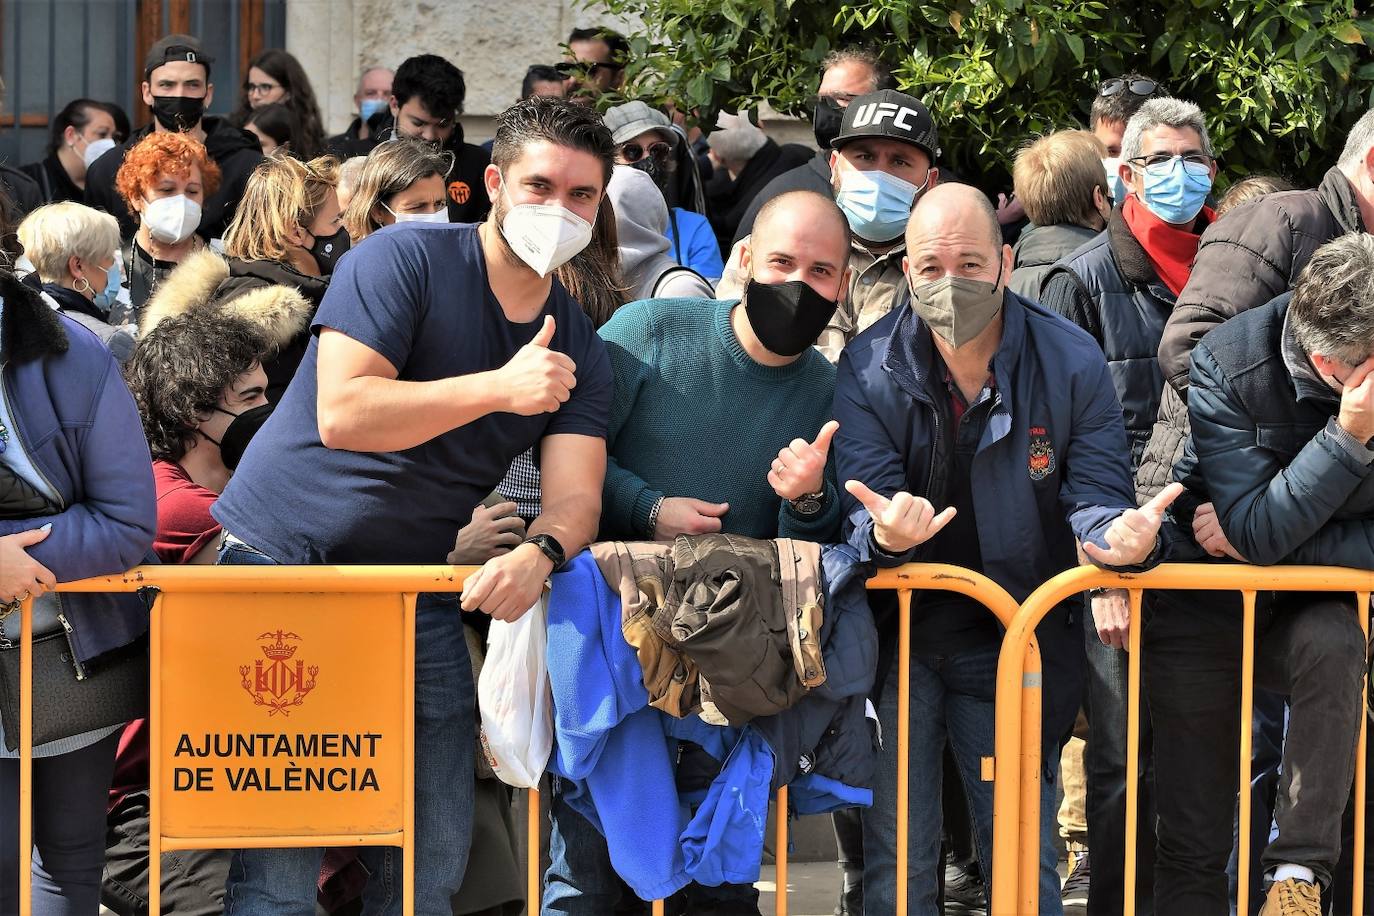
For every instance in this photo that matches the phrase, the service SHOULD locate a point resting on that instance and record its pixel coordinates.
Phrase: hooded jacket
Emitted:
(235, 151)
(79, 426)
(1052, 466)
(616, 754)
(641, 225)
(1038, 249)
(281, 310)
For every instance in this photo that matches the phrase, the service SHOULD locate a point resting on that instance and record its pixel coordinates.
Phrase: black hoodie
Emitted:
(235, 151)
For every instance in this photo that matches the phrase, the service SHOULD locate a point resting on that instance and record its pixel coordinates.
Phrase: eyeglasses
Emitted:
(1141, 87)
(260, 88)
(660, 152)
(1163, 163)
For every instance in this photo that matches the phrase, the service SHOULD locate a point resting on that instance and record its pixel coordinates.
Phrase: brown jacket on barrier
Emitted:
(721, 624)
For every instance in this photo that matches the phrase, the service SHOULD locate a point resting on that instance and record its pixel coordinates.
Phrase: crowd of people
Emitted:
(239, 341)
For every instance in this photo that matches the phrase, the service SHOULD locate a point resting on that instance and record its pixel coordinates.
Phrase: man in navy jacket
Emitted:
(980, 430)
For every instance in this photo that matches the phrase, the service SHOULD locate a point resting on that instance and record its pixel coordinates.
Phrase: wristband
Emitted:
(653, 516)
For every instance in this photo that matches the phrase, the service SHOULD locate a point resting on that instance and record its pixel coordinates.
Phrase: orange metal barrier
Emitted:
(1249, 580)
(1016, 808)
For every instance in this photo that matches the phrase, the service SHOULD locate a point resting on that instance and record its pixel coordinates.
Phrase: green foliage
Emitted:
(1280, 82)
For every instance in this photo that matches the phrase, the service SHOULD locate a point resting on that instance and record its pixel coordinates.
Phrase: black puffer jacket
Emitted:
(1251, 256)
(1110, 289)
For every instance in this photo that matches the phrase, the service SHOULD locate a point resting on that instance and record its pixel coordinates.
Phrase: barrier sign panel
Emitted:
(281, 714)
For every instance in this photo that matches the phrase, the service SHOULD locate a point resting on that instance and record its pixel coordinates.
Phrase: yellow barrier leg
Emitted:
(155, 756)
(1247, 704)
(780, 857)
(1361, 762)
(25, 757)
(533, 895)
(903, 740)
(657, 908)
(1031, 731)
(1132, 753)
(408, 602)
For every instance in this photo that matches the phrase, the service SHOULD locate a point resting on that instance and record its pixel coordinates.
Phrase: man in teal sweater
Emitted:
(720, 421)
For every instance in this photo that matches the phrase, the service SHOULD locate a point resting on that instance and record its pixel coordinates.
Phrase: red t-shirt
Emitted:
(184, 524)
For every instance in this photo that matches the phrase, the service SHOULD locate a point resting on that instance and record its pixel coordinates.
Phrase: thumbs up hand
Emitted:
(1132, 535)
(799, 468)
(902, 522)
(537, 380)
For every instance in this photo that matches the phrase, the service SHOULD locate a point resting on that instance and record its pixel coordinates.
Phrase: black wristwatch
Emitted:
(809, 504)
(550, 547)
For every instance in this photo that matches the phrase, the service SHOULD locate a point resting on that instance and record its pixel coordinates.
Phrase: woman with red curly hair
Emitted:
(164, 181)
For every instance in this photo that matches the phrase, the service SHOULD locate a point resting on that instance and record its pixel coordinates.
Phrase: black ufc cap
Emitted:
(891, 115)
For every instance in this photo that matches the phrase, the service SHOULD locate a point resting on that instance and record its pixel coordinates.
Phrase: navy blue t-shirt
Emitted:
(419, 296)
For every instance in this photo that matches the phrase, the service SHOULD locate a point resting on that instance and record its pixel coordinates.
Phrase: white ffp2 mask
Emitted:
(544, 236)
(171, 220)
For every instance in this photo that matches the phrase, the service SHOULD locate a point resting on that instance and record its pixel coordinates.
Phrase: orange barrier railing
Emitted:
(1249, 580)
(1015, 809)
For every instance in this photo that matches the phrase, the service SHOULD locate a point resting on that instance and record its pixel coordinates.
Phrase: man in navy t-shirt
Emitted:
(441, 353)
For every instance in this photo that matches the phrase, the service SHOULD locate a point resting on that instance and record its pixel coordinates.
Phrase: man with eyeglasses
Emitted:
(645, 140)
(427, 97)
(1121, 288)
(1117, 100)
(595, 63)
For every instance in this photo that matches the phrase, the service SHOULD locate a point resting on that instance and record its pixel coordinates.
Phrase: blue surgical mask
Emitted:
(105, 298)
(1176, 192)
(876, 204)
(370, 107)
(1116, 188)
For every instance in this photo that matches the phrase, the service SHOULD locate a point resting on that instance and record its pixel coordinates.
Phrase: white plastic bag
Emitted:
(514, 698)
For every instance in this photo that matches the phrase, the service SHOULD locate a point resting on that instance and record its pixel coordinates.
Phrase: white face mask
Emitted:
(171, 220)
(438, 216)
(545, 236)
(95, 149)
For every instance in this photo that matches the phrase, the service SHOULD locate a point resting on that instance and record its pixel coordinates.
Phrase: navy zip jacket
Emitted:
(1052, 466)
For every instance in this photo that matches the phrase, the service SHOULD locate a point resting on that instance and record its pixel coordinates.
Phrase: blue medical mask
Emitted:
(876, 204)
(370, 107)
(1116, 188)
(1175, 191)
(105, 298)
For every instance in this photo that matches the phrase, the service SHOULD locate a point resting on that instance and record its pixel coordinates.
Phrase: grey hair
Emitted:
(859, 54)
(1357, 143)
(1332, 311)
(1162, 112)
(55, 233)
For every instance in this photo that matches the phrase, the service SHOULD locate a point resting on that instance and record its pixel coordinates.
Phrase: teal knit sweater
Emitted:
(693, 415)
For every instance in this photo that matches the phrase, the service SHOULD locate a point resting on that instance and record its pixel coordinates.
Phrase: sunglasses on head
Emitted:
(1141, 87)
(660, 152)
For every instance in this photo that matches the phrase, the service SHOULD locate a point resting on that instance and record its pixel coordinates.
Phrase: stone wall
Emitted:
(492, 41)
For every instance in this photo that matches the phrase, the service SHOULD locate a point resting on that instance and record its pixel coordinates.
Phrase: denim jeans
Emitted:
(952, 700)
(1104, 763)
(1309, 647)
(70, 794)
(282, 882)
(581, 881)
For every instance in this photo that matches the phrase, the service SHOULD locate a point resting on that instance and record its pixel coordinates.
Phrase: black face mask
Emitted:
(786, 317)
(651, 167)
(826, 121)
(178, 112)
(329, 248)
(239, 433)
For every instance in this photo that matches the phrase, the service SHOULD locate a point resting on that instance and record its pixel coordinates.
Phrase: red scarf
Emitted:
(1170, 249)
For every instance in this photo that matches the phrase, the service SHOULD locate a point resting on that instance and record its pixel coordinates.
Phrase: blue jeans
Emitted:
(70, 794)
(952, 699)
(281, 882)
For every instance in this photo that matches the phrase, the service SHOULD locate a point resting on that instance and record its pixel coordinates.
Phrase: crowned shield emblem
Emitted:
(278, 681)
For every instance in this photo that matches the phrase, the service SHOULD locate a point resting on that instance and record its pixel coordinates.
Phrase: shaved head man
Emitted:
(720, 422)
(979, 430)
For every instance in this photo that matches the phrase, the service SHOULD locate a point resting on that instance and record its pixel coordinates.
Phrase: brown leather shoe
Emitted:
(1292, 897)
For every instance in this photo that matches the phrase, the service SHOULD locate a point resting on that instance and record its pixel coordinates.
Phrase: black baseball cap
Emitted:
(171, 48)
(891, 115)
